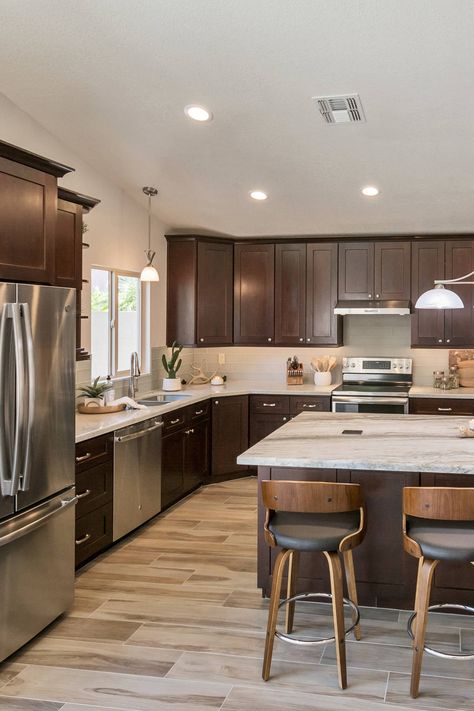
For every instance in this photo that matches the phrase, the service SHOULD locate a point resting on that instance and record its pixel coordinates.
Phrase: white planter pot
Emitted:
(171, 383)
(93, 401)
(323, 378)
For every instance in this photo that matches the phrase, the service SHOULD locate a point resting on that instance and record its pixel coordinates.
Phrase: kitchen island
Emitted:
(382, 453)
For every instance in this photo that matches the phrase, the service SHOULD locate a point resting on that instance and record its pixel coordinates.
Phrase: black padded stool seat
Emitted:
(312, 531)
(443, 540)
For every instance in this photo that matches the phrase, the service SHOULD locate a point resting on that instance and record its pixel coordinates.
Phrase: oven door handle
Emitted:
(371, 400)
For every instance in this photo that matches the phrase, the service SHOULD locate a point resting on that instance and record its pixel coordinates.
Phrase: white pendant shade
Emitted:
(439, 298)
(149, 273)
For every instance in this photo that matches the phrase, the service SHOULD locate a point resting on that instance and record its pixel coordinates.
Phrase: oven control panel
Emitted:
(377, 365)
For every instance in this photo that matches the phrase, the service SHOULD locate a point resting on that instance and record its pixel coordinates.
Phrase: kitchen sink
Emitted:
(162, 399)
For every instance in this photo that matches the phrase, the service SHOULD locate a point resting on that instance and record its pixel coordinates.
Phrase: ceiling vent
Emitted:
(340, 109)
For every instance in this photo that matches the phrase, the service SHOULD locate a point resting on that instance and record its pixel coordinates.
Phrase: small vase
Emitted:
(171, 383)
(93, 401)
(323, 378)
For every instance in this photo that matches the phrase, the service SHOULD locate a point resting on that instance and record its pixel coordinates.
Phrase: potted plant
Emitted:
(94, 394)
(171, 366)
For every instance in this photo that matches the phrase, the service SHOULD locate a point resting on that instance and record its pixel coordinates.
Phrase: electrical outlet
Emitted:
(221, 359)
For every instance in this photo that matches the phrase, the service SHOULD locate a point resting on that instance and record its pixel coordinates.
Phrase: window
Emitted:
(116, 321)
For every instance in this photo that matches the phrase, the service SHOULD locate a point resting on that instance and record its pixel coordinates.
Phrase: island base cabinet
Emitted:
(386, 575)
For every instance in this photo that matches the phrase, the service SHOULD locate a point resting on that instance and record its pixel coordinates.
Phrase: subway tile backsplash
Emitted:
(363, 335)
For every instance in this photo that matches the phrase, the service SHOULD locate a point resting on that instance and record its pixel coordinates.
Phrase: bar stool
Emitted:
(438, 524)
(313, 516)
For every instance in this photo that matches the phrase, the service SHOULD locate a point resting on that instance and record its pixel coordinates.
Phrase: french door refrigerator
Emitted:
(37, 368)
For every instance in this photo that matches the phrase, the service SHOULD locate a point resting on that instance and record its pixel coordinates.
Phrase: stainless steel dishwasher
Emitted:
(137, 475)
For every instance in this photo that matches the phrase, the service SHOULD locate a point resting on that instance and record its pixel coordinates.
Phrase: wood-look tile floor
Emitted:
(171, 619)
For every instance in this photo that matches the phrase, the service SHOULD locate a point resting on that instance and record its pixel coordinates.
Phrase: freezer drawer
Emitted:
(36, 570)
(137, 475)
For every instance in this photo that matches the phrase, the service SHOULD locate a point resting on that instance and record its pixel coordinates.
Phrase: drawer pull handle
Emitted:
(199, 412)
(306, 405)
(85, 538)
(85, 456)
(189, 432)
(269, 404)
(175, 422)
(445, 409)
(84, 494)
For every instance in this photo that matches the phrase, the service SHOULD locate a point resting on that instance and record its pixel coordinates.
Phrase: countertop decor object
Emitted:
(294, 371)
(171, 366)
(199, 377)
(149, 272)
(92, 408)
(322, 368)
(94, 394)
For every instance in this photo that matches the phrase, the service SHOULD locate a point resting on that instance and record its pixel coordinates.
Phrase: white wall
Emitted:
(117, 227)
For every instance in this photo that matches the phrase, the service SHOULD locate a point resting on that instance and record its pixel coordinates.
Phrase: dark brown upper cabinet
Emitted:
(374, 270)
(322, 326)
(28, 201)
(254, 292)
(290, 293)
(199, 291)
(443, 259)
(72, 207)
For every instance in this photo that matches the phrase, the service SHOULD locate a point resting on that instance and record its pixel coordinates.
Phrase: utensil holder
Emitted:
(322, 378)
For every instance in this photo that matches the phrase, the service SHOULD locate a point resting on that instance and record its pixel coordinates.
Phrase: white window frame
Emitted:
(113, 335)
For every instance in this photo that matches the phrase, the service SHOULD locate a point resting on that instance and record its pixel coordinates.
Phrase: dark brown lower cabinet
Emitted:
(263, 425)
(441, 406)
(185, 452)
(94, 490)
(230, 435)
(385, 574)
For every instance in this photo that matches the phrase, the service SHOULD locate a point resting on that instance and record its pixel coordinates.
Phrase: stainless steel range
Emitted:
(374, 385)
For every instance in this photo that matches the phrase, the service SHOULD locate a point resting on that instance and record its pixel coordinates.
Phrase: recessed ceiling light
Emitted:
(370, 191)
(258, 195)
(197, 113)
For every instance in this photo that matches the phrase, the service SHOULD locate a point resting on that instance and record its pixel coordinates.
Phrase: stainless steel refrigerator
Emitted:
(37, 369)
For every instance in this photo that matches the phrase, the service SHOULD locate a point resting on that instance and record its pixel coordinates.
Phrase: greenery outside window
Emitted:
(116, 321)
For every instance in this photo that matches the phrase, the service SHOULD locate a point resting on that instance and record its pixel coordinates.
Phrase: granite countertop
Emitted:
(458, 393)
(412, 443)
(88, 426)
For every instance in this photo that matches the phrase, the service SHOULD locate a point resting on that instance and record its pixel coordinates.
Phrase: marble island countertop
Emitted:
(412, 443)
(88, 426)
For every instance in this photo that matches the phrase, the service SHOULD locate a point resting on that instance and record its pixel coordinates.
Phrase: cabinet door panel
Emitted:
(380, 558)
(254, 293)
(68, 246)
(290, 293)
(441, 406)
(181, 292)
(196, 457)
(263, 425)
(427, 325)
(230, 433)
(28, 200)
(459, 323)
(356, 270)
(392, 270)
(215, 293)
(172, 468)
(93, 533)
(322, 326)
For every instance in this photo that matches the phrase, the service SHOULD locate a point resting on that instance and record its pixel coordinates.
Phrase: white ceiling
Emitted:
(111, 79)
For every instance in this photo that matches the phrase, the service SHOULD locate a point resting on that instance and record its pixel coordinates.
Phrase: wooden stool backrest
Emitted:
(311, 496)
(438, 502)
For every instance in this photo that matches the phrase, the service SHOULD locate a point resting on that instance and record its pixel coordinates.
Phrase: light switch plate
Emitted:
(221, 359)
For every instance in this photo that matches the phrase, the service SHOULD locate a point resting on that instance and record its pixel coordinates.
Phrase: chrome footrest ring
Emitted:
(436, 652)
(305, 596)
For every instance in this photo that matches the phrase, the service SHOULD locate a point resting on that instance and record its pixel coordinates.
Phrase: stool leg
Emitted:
(423, 589)
(351, 587)
(278, 569)
(291, 590)
(335, 572)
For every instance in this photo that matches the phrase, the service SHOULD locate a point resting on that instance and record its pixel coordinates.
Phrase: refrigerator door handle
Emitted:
(15, 312)
(5, 473)
(30, 417)
(35, 519)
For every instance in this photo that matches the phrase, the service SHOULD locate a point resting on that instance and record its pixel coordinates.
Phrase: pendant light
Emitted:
(149, 272)
(441, 298)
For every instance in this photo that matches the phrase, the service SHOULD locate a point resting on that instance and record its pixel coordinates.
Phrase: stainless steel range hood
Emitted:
(395, 308)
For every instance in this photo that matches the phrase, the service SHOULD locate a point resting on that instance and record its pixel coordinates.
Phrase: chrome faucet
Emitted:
(134, 373)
